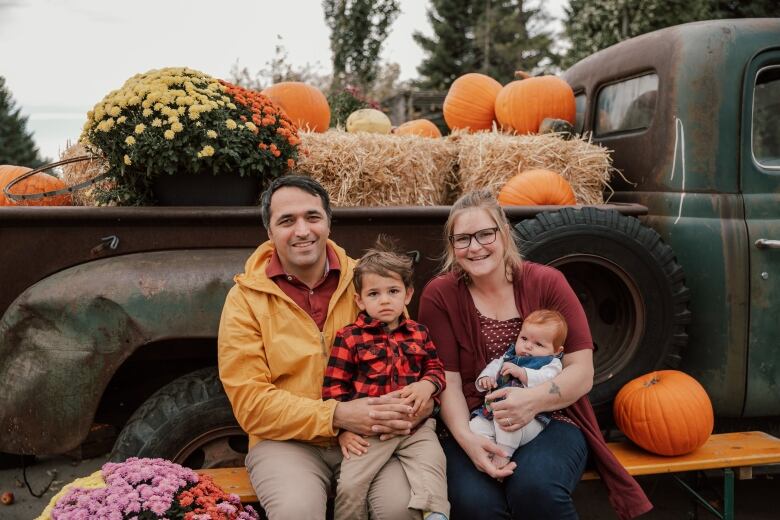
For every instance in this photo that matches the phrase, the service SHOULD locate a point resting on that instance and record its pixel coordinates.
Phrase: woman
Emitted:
(473, 311)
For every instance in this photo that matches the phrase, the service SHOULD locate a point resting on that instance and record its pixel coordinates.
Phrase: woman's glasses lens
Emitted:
(483, 237)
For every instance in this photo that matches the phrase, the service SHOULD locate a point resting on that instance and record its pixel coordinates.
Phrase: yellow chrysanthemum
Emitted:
(169, 134)
(130, 140)
(157, 122)
(231, 124)
(115, 111)
(177, 127)
(121, 119)
(127, 160)
(207, 151)
(139, 128)
(250, 125)
(147, 112)
(212, 134)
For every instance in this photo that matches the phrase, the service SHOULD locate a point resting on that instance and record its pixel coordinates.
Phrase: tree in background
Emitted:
(358, 29)
(592, 25)
(494, 37)
(451, 51)
(16, 144)
(276, 70)
(513, 35)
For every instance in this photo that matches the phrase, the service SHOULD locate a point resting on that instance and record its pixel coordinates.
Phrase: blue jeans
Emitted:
(548, 469)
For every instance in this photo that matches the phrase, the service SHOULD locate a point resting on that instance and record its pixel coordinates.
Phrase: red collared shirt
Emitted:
(368, 360)
(313, 300)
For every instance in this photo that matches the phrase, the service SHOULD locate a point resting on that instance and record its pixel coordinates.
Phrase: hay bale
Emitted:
(82, 171)
(489, 159)
(379, 170)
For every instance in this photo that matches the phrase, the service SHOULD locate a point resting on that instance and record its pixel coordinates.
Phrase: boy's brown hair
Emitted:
(544, 317)
(383, 259)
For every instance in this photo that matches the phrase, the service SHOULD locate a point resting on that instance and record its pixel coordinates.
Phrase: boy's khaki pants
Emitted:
(422, 459)
(293, 479)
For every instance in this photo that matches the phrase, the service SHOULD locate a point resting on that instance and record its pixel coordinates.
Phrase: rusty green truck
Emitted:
(109, 315)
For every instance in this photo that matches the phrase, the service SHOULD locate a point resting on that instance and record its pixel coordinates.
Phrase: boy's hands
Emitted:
(352, 443)
(486, 383)
(417, 394)
(515, 371)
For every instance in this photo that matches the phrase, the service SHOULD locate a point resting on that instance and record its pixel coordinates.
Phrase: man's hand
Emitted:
(515, 371)
(417, 394)
(375, 415)
(352, 443)
(486, 383)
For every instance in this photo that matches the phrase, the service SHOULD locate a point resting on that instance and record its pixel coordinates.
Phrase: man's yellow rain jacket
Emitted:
(272, 356)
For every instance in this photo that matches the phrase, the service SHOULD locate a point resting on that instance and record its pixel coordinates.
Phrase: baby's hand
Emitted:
(514, 371)
(486, 383)
(352, 442)
(417, 394)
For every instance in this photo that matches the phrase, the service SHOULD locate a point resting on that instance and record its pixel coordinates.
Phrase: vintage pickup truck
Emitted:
(109, 315)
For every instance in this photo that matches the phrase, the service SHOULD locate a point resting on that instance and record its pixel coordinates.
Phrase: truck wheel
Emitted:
(629, 283)
(188, 421)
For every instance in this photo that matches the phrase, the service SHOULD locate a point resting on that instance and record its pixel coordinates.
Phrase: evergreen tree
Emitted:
(358, 29)
(592, 25)
(16, 144)
(452, 50)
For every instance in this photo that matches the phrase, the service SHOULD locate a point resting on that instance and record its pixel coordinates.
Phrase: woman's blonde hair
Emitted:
(484, 200)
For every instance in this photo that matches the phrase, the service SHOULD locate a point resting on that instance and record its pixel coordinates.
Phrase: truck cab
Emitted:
(689, 113)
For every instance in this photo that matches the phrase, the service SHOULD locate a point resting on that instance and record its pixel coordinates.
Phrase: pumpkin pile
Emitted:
(665, 412)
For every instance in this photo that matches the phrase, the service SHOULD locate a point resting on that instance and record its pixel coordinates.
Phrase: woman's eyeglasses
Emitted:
(483, 237)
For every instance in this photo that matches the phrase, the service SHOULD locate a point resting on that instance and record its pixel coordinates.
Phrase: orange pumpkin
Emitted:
(421, 127)
(305, 105)
(38, 183)
(523, 104)
(665, 412)
(536, 188)
(470, 102)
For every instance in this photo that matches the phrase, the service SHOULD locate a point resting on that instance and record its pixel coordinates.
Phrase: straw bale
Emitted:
(489, 159)
(81, 171)
(365, 169)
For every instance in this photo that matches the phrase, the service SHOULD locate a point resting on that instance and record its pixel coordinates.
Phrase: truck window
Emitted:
(625, 106)
(766, 106)
(579, 102)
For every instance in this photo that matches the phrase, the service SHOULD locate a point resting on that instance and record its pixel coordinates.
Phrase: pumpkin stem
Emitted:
(519, 74)
(651, 382)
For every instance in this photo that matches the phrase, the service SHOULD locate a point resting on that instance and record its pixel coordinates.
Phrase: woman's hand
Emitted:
(517, 407)
(481, 451)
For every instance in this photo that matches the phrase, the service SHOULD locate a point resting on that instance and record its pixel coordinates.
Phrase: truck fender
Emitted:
(86, 321)
(629, 283)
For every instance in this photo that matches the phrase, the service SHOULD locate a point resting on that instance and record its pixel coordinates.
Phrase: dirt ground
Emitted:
(755, 499)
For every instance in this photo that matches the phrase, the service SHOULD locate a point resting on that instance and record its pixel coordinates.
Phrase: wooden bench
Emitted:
(728, 452)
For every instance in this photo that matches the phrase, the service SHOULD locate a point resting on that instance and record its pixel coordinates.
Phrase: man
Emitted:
(275, 336)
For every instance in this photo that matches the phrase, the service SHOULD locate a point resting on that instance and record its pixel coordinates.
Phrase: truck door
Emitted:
(760, 180)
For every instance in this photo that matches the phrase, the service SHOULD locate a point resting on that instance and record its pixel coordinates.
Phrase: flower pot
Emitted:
(206, 190)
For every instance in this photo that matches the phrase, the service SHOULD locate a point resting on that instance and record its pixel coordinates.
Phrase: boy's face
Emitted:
(536, 339)
(384, 297)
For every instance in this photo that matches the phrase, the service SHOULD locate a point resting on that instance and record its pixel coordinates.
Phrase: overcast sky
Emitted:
(65, 55)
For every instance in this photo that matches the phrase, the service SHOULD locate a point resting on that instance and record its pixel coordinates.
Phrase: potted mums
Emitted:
(176, 136)
(146, 489)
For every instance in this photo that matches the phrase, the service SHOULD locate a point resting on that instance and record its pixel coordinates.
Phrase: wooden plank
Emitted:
(723, 450)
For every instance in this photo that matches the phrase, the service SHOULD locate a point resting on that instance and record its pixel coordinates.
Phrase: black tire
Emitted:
(629, 283)
(188, 421)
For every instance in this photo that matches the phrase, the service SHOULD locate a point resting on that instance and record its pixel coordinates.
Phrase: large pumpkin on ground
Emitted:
(38, 183)
(665, 412)
(536, 188)
(470, 102)
(304, 104)
(421, 127)
(523, 104)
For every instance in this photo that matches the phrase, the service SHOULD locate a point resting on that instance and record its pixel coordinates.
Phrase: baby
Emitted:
(533, 359)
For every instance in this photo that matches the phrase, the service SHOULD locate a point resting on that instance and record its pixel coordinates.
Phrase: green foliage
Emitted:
(345, 101)
(16, 144)
(592, 25)
(358, 29)
(494, 37)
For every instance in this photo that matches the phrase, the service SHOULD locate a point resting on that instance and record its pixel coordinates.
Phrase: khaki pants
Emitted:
(422, 459)
(293, 479)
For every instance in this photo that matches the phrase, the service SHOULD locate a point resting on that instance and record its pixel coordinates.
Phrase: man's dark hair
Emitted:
(301, 182)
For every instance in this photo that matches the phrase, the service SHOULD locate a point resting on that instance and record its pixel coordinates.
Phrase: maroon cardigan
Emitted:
(448, 310)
